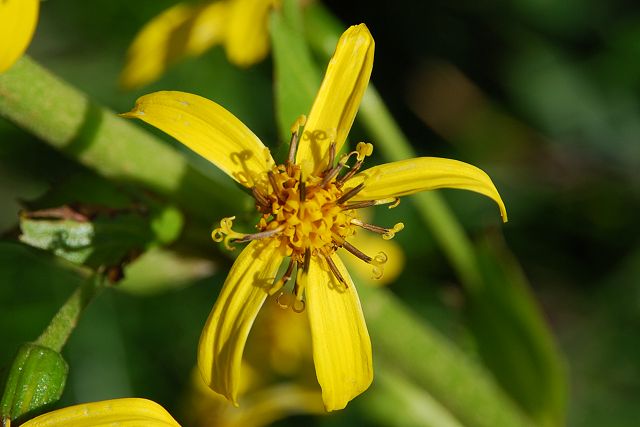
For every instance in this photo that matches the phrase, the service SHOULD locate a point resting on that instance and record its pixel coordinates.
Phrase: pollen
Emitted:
(310, 216)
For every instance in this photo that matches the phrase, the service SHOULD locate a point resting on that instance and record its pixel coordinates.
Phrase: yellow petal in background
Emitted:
(130, 412)
(422, 174)
(372, 244)
(180, 31)
(338, 99)
(341, 344)
(247, 39)
(209, 130)
(18, 20)
(225, 333)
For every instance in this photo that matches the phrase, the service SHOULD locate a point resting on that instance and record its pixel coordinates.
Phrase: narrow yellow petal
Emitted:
(18, 20)
(129, 412)
(247, 39)
(225, 333)
(422, 174)
(338, 99)
(341, 345)
(180, 31)
(209, 130)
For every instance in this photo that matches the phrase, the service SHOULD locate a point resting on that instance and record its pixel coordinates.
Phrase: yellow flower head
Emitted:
(18, 20)
(309, 208)
(188, 29)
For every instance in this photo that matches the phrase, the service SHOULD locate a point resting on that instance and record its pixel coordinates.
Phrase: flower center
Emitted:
(310, 217)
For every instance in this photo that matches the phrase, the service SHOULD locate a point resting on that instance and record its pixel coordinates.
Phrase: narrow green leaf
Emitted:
(433, 363)
(513, 339)
(297, 78)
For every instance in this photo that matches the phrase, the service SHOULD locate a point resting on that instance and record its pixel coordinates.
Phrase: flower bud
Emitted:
(36, 379)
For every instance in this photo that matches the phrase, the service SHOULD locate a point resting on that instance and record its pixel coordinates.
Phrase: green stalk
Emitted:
(68, 120)
(64, 322)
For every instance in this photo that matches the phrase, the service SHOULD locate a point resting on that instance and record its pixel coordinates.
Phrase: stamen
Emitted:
(387, 233)
(260, 235)
(307, 260)
(260, 198)
(274, 185)
(298, 306)
(363, 149)
(333, 172)
(295, 134)
(378, 262)
(357, 252)
(225, 233)
(332, 156)
(349, 194)
(302, 189)
(395, 201)
(284, 300)
(284, 279)
(334, 269)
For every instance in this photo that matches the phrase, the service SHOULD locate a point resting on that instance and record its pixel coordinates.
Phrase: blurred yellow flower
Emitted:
(309, 209)
(128, 412)
(188, 29)
(18, 20)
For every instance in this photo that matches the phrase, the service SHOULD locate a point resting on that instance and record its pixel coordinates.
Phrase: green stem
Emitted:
(65, 118)
(64, 322)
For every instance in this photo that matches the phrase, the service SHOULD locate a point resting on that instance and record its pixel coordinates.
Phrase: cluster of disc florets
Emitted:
(311, 216)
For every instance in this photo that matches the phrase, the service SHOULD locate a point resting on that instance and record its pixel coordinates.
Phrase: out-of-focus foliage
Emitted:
(544, 96)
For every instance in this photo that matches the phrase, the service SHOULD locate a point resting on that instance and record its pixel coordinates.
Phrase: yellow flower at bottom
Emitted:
(309, 209)
(128, 412)
(18, 20)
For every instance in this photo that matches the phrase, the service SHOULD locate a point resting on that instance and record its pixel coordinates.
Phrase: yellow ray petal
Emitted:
(209, 130)
(338, 99)
(341, 345)
(225, 333)
(18, 20)
(180, 31)
(130, 412)
(421, 174)
(247, 39)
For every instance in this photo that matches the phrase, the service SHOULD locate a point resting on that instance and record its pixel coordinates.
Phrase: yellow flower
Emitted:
(309, 208)
(128, 412)
(18, 20)
(188, 29)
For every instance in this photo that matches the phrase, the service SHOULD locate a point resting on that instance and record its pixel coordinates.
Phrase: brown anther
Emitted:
(274, 185)
(334, 269)
(360, 205)
(260, 235)
(332, 156)
(349, 194)
(331, 174)
(357, 252)
(302, 188)
(293, 147)
(260, 198)
(307, 260)
(370, 227)
(351, 172)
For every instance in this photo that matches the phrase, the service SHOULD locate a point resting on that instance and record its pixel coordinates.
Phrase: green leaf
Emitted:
(297, 78)
(419, 352)
(513, 339)
(107, 240)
